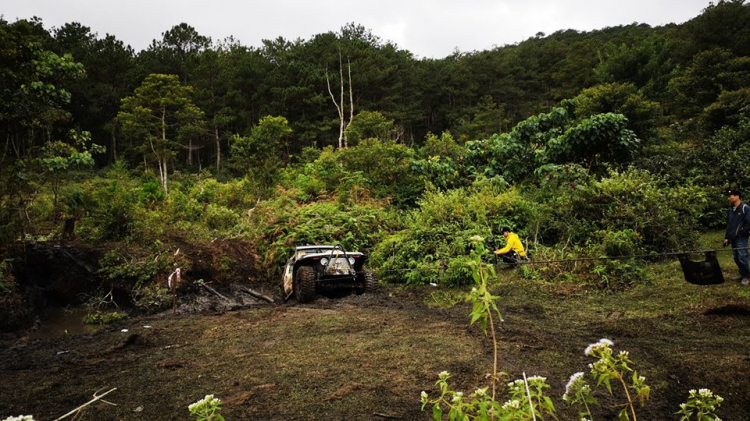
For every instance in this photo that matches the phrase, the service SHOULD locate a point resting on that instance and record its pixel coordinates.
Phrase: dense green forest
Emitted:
(611, 142)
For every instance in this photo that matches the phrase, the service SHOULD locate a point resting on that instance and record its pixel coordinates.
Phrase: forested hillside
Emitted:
(611, 142)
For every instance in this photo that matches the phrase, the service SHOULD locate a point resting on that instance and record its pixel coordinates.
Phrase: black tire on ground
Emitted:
(304, 284)
(371, 281)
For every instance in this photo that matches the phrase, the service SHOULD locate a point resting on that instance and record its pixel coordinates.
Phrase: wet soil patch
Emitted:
(729, 310)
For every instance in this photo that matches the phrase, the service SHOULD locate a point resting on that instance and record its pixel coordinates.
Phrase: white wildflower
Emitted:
(476, 239)
(207, 400)
(457, 397)
(512, 404)
(705, 393)
(481, 392)
(603, 343)
(575, 384)
(20, 418)
(443, 375)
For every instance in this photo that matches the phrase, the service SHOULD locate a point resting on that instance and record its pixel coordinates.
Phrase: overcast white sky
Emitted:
(427, 28)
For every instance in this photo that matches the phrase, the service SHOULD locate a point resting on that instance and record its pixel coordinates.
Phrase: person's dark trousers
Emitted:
(511, 258)
(739, 251)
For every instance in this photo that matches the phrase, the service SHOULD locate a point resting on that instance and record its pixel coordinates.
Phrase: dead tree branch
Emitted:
(96, 398)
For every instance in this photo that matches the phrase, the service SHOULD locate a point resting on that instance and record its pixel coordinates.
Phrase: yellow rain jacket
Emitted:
(514, 243)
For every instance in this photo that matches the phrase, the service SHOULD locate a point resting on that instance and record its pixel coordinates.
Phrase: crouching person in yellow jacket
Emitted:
(513, 250)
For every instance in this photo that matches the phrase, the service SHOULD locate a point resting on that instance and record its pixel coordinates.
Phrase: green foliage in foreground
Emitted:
(526, 397)
(206, 409)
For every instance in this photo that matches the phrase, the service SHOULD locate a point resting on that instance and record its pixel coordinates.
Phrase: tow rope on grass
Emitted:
(698, 272)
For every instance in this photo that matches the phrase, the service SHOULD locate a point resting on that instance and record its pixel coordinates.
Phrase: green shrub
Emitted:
(151, 194)
(218, 217)
(582, 265)
(281, 224)
(663, 217)
(115, 214)
(138, 272)
(436, 238)
(152, 297)
(182, 207)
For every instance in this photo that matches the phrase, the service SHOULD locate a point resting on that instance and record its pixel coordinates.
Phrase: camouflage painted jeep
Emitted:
(313, 269)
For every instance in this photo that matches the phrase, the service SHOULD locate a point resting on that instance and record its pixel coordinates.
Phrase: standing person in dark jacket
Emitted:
(738, 230)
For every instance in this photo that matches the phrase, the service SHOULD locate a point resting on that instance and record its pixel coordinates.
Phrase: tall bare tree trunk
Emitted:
(340, 104)
(338, 108)
(163, 174)
(351, 100)
(341, 101)
(218, 147)
(190, 153)
(162, 160)
(113, 135)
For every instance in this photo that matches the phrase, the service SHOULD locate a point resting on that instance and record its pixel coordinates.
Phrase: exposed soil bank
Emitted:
(54, 276)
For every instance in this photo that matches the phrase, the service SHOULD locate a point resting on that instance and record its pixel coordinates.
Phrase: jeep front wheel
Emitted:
(304, 284)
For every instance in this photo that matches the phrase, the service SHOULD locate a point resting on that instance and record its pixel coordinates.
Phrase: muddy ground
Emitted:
(368, 357)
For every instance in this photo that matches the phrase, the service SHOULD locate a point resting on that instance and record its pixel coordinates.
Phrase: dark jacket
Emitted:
(738, 222)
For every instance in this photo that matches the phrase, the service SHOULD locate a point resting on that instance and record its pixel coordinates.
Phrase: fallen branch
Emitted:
(96, 398)
(78, 261)
(256, 294)
(215, 292)
(390, 417)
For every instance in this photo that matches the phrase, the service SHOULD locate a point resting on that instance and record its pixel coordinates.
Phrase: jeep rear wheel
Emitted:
(304, 284)
(371, 281)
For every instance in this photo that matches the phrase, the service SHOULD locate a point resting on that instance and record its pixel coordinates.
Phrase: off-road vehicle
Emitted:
(313, 269)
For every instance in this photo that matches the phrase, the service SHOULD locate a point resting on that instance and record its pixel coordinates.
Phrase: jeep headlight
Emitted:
(351, 261)
(324, 261)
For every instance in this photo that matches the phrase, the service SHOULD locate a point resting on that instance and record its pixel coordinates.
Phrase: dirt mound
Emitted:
(221, 261)
(52, 275)
(57, 275)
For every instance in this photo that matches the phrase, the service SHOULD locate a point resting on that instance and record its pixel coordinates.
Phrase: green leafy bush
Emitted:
(151, 193)
(435, 240)
(386, 168)
(115, 214)
(663, 217)
(138, 272)
(152, 297)
(218, 217)
(281, 224)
